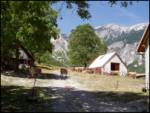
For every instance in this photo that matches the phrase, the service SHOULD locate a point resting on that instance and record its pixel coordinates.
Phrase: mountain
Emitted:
(122, 39)
(60, 44)
(59, 51)
(113, 32)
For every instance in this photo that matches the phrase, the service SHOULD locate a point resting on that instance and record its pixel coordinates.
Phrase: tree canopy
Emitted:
(34, 23)
(84, 45)
(82, 7)
(31, 22)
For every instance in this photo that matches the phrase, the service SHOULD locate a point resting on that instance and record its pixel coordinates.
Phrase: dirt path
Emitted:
(85, 102)
(73, 96)
(26, 82)
(72, 99)
(70, 96)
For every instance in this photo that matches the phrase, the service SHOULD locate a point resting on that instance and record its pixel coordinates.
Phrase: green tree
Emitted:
(33, 23)
(62, 57)
(134, 67)
(84, 45)
(82, 7)
(48, 59)
(29, 22)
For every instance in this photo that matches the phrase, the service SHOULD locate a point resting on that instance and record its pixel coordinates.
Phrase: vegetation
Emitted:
(137, 68)
(131, 37)
(84, 45)
(62, 57)
(82, 7)
(48, 60)
(97, 89)
(16, 98)
(122, 3)
(134, 36)
(108, 83)
(31, 22)
(34, 23)
(58, 58)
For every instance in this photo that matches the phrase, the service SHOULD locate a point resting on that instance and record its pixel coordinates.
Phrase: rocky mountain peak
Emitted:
(121, 39)
(60, 44)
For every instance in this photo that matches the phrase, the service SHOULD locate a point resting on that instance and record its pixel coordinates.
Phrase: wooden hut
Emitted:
(110, 64)
(21, 58)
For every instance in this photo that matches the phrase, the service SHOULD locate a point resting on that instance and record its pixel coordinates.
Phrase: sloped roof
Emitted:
(102, 60)
(24, 49)
(144, 40)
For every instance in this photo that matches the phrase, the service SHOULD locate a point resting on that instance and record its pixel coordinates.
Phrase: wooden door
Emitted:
(115, 66)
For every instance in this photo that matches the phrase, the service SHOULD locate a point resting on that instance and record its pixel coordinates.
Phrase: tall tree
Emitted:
(34, 23)
(31, 22)
(84, 45)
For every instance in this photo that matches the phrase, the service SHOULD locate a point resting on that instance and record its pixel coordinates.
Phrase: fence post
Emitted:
(117, 84)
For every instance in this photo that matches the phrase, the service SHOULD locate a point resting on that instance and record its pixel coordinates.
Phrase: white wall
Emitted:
(23, 54)
(147, 66)
(115, 59)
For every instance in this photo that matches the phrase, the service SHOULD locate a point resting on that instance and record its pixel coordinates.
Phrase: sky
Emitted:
(103, 14)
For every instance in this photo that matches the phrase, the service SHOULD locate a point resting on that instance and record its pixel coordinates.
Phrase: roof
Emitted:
(24, 49)
(102, 60)
(144, 40)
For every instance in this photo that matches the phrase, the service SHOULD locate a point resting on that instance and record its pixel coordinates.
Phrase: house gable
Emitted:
(118, 58)
(101, 60)
(144, 41)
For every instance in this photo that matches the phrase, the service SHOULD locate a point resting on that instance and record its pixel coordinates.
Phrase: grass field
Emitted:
(16, 98)
(108, 83)
(96, 91)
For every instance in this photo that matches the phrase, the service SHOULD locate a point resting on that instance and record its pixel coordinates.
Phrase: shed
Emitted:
(25, 58)
(109, 64)
(21, 58)
(143, 49)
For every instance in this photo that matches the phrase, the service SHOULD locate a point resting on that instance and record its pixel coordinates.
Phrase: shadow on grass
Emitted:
(26, 74)
(52, 76)
(14, 98)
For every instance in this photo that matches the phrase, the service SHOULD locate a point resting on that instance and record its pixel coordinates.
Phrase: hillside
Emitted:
(122, 39)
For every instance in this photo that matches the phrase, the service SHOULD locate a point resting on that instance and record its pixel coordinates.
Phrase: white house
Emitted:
(108, 63)
(143, 49)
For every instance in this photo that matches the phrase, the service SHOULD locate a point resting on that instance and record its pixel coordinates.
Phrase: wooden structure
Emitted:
(136, 75)
(109, 64)
(22, 57)
(143, 49)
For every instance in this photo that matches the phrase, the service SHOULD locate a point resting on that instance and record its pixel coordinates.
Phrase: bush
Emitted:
(138, 69)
